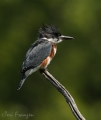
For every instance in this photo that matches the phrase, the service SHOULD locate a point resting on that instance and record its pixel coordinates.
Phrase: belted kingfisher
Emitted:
(41, 51)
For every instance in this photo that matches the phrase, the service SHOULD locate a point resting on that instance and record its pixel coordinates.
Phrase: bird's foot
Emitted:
(43, 70)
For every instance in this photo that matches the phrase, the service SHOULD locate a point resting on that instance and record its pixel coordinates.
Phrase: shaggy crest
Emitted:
(49, 29)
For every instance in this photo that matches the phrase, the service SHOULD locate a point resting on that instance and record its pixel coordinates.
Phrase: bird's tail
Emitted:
(24, 76)
(22, 81)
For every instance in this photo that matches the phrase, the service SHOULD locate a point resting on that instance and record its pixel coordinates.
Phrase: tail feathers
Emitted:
(24, 76)
(22, 82)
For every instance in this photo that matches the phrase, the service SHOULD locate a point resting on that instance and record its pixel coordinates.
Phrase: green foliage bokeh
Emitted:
(76, 65)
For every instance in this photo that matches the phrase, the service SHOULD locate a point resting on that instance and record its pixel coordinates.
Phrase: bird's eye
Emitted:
(57, 34)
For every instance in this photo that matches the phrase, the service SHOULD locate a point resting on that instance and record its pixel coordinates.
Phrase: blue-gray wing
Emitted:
(36, 54)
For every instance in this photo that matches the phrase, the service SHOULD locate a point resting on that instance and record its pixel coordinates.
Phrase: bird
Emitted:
(42, 51)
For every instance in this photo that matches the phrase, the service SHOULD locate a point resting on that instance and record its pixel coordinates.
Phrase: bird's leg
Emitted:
(43, 70)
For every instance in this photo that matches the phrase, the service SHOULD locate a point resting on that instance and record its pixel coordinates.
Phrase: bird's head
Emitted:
(51, 33)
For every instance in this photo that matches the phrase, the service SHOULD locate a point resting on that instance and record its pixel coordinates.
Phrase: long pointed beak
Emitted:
(66, 37)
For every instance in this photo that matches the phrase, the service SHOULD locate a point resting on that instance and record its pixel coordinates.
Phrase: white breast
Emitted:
(55, 50)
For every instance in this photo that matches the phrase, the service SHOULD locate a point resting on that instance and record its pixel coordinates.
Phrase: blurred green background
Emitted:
(77, 64)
